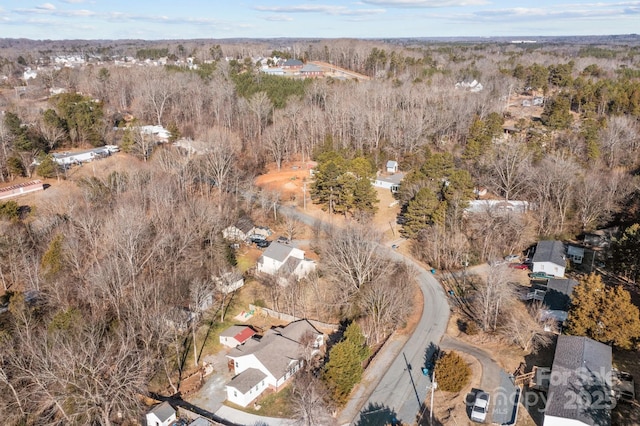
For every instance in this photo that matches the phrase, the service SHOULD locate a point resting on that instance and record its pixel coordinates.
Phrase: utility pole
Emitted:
(304, 195)
(434, 386)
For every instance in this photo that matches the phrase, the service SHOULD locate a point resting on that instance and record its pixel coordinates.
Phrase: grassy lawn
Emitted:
(271, 404)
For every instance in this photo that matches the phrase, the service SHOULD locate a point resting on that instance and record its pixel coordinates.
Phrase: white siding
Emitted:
(549, 268)
(250, 361)
(244, 399)
(560, 421)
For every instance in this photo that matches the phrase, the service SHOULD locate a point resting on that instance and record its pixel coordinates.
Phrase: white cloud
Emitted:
(278, 18)
(46, 6)
(320, 8)
(425, 3)
(73, 1)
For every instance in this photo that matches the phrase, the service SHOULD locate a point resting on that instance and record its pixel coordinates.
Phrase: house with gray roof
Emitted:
(292, 64)
(269, 361)
(161, 415)
(240, 230)
(311, 70)
(284, 260)
(550, 258)
(580, 385)
(390, 182)
(557, 297)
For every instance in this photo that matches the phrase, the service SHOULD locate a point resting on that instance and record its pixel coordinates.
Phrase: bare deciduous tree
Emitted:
(309, 396)
(349, 255)
(526, 327)
(387, 301)
(494, 295)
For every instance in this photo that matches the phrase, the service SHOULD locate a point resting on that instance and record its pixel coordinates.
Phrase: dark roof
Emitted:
(163, 411)
(292, 63)
(558, 293)
(580, 365)
(245, 224)
(550, 251)
(246, 380)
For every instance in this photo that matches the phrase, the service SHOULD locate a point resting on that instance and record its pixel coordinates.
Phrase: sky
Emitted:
(220, 19)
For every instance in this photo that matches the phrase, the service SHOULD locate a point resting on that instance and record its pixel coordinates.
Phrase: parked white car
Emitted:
(480, 407)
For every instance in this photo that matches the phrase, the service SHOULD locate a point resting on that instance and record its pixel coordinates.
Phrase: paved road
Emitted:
(393, 385)
(495, 381)
(403, 388)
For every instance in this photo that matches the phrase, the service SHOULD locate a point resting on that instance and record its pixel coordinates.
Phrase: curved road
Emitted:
(401, 387)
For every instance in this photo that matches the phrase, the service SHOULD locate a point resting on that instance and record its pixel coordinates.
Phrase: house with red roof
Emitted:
(236, 335)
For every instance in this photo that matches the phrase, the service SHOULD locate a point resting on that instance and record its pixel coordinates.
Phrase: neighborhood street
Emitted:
(403, 387)
(399, 387)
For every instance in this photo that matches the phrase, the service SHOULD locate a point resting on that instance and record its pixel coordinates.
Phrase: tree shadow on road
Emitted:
(378, 415)
(425, 419)
(431, 355)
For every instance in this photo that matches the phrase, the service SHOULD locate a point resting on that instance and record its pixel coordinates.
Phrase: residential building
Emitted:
(236, 335)
(496, 206)
(284, 259)
(311, 70)
(557, 298)
(549, 258)
(239, 231)
(580, 392)
(390, 182)
(269, 361)
(161, 415)
(228, 283)
(392, 166)
(21, 188)
(292, 64)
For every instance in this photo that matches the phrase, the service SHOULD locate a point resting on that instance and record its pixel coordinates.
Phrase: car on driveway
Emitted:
(624, 386)
(480, 407)
(518, 266)
(540, 276)
(254, 238)
(283, 240)
(512, 258)
(263, 243)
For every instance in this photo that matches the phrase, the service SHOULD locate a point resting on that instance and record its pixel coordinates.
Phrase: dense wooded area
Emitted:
(99, 281)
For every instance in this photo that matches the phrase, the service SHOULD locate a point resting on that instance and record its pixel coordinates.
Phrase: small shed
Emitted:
(575, 254)
(392, 166)
(236, 335)
(161, 415)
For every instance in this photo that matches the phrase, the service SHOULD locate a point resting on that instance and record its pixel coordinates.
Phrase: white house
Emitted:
(392, 166)
(161, 415)
(236, 335)
(159, 133)
(496, 206)
(228, 282)
(69, 158)
(580, 384)
(549, 258)
(284, 259)
(270, 361)
(239, 231)
(390, 182)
